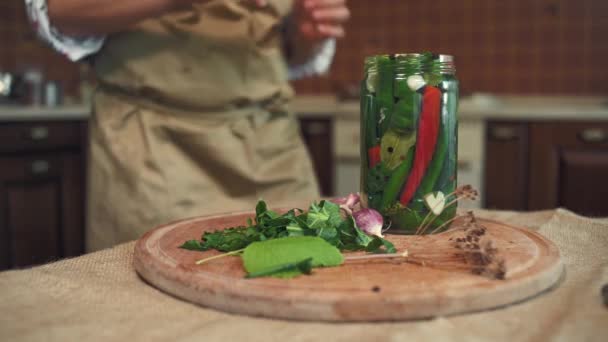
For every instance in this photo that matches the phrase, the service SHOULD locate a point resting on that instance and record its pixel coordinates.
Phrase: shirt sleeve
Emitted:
(73, 48)
(79, 48)
(318, 64)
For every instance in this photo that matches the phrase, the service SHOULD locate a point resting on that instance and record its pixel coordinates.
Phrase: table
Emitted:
(98, 296)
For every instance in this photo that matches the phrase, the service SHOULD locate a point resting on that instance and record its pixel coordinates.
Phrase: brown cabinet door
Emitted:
(506, 166)
(317, 134)
(569, 167)
(41, 208)
(33, 222)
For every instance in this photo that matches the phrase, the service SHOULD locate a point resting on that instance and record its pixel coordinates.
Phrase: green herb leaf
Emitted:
(304, 267)
(229, 239)
(377, 245)
(347, 232)
(353, 239)
(374, 245)
(260, 209)
(261, 257)
(377, 178)
(361, 238)
(193, 245)
(324, 214)
(316, 217)
(388, 246)
(323, 220)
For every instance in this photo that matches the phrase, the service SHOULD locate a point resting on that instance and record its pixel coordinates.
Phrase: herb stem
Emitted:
(422, 229)
(444, 224)
(376, 256)
(430, 213)
(201, 261)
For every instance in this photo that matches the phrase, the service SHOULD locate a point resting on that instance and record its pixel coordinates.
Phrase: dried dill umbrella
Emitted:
(464, 192)
(466, 249)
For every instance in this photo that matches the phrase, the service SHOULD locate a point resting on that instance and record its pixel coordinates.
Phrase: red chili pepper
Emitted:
(428, 129)
(373, 155)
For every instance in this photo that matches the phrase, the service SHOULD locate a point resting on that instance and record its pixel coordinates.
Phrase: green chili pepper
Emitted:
(406, 107)
(434, 170)
(400, 88)
(384, 93)
(403, 114)
(396, 181)
(371, 135)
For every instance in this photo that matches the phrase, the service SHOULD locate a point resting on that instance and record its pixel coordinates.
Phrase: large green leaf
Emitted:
(260, 257)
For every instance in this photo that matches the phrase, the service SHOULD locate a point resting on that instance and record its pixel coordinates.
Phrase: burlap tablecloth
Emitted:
(99, 297)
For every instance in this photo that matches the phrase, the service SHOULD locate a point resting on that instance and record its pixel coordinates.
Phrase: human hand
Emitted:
(320, 19)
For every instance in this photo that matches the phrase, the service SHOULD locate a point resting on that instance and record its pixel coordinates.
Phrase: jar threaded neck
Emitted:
(412, 63)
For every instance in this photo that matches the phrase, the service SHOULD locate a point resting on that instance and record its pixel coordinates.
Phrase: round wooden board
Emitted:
(355, 291)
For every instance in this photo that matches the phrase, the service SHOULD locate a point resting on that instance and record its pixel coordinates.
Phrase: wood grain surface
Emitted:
(380, 290)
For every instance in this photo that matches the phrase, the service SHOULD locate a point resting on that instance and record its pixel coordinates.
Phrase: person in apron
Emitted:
(191, 117)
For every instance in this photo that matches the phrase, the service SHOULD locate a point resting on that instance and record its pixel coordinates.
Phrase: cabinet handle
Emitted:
(593, 135)
(503, 133)
(315, 128)
(40, 167)
(39, 133)
(464, 165)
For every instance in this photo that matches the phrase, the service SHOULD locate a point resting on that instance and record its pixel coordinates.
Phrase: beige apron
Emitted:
(191, 119)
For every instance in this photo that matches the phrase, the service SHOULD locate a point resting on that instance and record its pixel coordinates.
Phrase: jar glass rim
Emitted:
(443, 63)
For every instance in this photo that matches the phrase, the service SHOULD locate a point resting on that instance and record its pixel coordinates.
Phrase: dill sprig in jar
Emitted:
(409, 127)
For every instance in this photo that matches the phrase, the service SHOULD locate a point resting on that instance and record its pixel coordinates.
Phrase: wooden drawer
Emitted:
(30, 167)
(39, 136)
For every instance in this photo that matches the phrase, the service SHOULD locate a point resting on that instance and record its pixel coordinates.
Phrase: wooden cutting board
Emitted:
(356, 291)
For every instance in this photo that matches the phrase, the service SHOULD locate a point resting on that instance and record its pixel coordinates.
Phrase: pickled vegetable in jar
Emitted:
(409, 127)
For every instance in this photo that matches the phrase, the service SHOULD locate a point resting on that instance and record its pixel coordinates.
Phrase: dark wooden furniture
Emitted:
(41, 191)
(42, 187)
(542, 165)
(506, 166)
(318, 136)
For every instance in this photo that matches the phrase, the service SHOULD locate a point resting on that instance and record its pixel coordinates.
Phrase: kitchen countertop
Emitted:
(35, 113)
(478, 106)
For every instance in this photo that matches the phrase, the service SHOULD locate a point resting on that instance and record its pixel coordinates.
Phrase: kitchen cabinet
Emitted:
(547, 164)
(317, 133)
(42, 185)
(506, 171)
(41, 191)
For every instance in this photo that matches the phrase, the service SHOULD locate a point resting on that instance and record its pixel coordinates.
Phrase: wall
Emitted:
(20, 49)
(502, 46)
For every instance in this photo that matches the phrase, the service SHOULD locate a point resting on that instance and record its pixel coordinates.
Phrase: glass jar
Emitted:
(409, 130)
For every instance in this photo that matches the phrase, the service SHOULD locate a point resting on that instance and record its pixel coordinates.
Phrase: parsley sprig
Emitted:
(322, 219)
